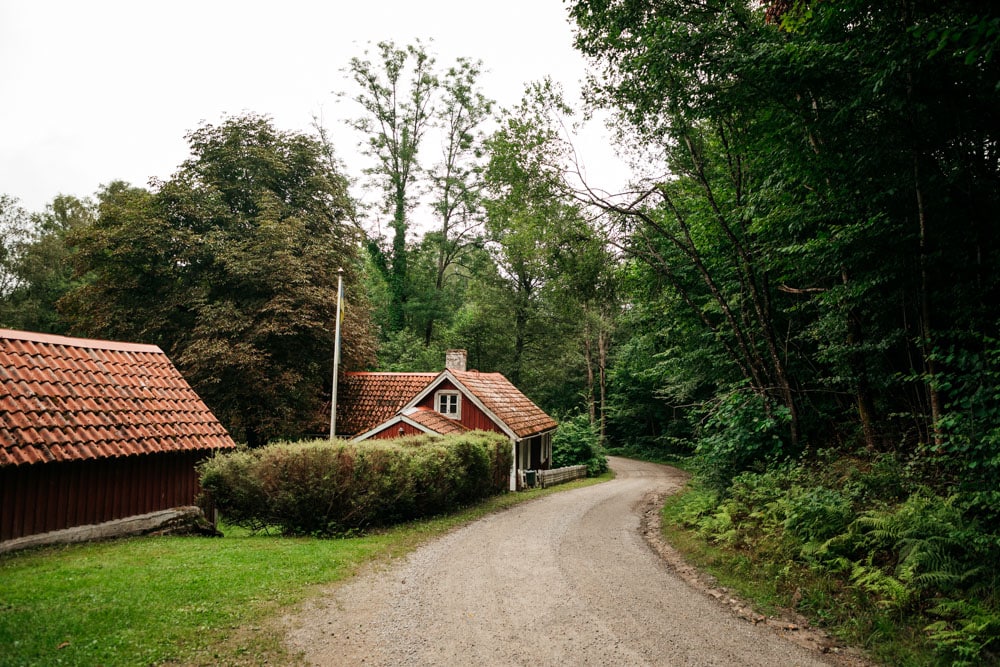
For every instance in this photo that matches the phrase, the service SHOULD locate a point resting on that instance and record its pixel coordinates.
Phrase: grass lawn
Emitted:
(187, 600)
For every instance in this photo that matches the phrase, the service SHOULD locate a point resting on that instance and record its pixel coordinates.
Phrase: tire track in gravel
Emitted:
(567, 579)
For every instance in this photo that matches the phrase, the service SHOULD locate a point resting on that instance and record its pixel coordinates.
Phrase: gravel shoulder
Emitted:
(570, 578)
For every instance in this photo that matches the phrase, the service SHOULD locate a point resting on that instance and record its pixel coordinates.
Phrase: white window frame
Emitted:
(441, 402)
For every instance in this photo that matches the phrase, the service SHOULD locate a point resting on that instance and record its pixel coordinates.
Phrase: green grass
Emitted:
(187, 600)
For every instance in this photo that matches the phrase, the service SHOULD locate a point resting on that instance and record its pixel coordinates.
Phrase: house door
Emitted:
(536, 454)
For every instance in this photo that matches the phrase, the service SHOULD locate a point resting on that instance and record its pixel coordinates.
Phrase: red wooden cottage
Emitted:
(92, 431)
(390, 405)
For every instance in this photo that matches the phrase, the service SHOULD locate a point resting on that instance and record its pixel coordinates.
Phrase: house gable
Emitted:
(497, 405)
(473, 414)
(506, 403)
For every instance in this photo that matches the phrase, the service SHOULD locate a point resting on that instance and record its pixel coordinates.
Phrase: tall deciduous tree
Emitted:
(456, 180)
(582, 291)
(231, 267)
(552, 269)
(834, 177)
(695, 228)
(525, 205)
(396, 93)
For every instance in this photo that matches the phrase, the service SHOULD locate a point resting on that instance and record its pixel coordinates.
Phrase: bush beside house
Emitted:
(576, 442)
(330, 488)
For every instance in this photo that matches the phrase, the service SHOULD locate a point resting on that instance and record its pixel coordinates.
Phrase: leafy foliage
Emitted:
(742, 432)
(36, 264)
(13, 231)
(577, 442)
(334, 488)
(231, 268)
(970, 425)
(918, 556)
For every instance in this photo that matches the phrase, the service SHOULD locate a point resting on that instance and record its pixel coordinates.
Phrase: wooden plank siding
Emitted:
(472, 417)
(39, 498)
(390, 432)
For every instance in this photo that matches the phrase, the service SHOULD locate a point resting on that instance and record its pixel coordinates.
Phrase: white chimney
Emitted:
(455, 360)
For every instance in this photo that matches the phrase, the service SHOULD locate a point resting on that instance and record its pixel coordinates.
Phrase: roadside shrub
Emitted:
(576, 442)
(324, 488)
(970, 424)
(916, 555)
(741, 432)
(815, 514)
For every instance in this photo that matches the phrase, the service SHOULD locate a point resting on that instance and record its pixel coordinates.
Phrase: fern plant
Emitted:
(966, 631)
(930, 555)
(889, 592)
(926, 534)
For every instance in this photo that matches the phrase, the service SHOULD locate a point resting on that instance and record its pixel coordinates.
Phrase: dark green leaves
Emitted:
(231, 267)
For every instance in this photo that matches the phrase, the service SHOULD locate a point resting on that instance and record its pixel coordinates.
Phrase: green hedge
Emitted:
(577, 442)
(332, 488)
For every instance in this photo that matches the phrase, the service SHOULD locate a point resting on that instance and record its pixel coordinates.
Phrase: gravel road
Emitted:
(564, 580)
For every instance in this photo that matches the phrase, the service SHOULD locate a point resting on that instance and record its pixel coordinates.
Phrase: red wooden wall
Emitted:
(42, 497)
(393, 431)
(472, 416)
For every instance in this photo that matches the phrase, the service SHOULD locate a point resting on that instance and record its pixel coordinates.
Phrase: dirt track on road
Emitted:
(567, 579)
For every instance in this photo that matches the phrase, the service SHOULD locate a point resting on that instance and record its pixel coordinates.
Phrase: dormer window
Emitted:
(449, 404)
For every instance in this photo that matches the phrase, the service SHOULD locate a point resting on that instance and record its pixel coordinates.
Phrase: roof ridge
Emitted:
(421, 373)
(91, 343)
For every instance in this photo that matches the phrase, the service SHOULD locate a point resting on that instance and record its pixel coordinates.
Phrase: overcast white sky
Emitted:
(98, 90)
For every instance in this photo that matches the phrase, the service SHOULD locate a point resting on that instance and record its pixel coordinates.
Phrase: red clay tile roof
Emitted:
(65, 399)
(365, 400)
(370, 399)
(504, 400)
(435, 421)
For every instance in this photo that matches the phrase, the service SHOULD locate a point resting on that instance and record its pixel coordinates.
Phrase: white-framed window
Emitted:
(449, 403)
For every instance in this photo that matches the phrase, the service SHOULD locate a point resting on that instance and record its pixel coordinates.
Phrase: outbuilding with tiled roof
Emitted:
(93, 431)
(390, 405)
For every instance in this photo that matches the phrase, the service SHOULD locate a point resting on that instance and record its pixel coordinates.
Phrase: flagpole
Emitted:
(336, 356)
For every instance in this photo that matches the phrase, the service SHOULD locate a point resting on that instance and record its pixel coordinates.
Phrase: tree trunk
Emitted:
(926, 330)
(588, 355)
(397, 277)
(602, 355)
(863, 396)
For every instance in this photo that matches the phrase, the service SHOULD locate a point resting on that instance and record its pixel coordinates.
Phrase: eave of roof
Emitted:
(422, 419)
(368, 399)
(434, 420)
(64, 399)
(91, 343)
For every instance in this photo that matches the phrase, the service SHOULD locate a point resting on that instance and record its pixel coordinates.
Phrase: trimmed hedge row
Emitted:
(332, 488)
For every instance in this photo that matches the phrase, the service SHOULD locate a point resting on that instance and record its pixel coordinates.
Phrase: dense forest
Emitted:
(800, 293)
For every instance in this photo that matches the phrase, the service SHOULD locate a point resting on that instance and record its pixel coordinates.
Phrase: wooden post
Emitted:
(336, 356)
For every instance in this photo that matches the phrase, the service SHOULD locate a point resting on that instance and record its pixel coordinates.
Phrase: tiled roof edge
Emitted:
(52, 339)
(364, 373)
